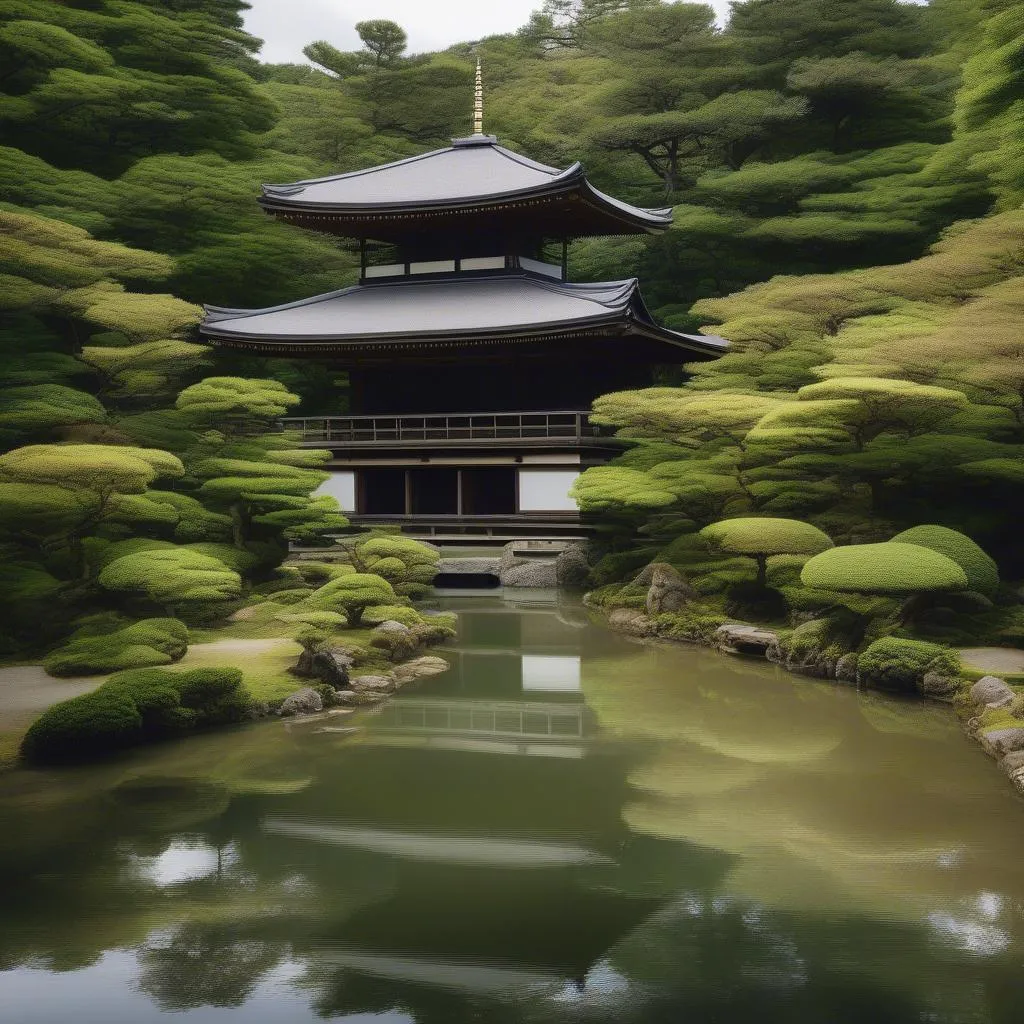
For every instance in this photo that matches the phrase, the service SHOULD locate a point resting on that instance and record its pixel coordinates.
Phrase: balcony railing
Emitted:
(444, 428)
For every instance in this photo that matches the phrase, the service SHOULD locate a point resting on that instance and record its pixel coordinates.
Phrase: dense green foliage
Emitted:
(134, 707)
(105, 646)
(898, 664)
(126, 487)
(814, 139)
(352, 594)
(889, 568)
(981, 571)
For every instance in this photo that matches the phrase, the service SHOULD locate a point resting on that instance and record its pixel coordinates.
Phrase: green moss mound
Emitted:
(981, 571)
(374, 616)
(767, 536)
(132, 708)
(141, 645)
(899, 664)
(889, 568)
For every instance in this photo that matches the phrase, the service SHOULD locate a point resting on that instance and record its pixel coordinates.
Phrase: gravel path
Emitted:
(993, 659)
(25, 690)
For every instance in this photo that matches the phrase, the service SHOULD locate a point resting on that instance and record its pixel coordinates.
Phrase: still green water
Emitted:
(566, 826)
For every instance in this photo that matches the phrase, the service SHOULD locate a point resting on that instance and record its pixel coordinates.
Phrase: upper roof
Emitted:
(474, 174)
(478, 310)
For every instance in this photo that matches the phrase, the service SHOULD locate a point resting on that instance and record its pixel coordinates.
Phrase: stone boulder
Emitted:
(934, 684)
(391, 626)
(736, 638)
(993, 691)
(428, 665)
(540, 573)
(846, 668)
(668, 590)
(999, 742)
(374, 684)
(631, 621)
(359, 698)
(1014, 760)
(331, 666)
(303, 702)
(572, 569)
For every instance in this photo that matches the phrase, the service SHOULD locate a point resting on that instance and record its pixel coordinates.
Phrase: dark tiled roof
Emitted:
(502, 305)
(471, 172)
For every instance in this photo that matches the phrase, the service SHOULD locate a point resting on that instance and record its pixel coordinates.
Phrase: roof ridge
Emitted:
(228, 313)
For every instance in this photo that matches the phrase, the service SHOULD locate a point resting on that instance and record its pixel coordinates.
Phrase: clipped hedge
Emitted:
(140, 645)
(766, 536)
(889, 568)
(899, 664)
(377, 614)
(132, 708)
(981, 571)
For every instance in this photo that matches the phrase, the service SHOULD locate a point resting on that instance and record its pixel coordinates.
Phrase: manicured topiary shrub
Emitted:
(899, 664)
(82, 729)
(319, 572)
(759, 538)
(172, 577)
(391, 612)
(132, 708)
(889, 568)
(352, 595)
(408, 565)
(981, 571)
(139, 645)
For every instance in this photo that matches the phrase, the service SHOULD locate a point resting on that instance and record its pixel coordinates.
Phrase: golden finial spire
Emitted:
(478, 101)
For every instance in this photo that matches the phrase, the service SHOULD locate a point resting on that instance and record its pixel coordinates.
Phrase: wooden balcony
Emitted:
(513, 526)
(487, 429)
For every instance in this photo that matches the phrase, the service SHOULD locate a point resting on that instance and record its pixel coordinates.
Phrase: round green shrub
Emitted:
(352, 595)
(377, 614)
(145, 643)
(981, 571)
(134, 707)
(82, 729)
(899, 664)
(766, 536)
(888, 568)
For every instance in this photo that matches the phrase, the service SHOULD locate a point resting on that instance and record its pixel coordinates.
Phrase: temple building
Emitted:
(472, 360)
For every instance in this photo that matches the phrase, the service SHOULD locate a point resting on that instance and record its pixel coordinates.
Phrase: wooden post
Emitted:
(458, 492)
(408, 492)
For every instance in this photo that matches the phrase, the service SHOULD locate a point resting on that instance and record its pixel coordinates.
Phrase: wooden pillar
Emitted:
(458, 492)
(408, 492)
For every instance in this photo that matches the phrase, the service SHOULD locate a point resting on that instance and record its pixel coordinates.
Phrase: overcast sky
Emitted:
(286, 26)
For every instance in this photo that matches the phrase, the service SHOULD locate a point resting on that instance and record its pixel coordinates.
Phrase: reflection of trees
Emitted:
(761, 858)
(205, 965)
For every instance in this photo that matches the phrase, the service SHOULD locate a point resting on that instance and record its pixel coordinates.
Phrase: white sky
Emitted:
(288, 25)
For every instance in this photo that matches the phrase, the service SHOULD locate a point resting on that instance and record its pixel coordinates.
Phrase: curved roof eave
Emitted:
(548, 181)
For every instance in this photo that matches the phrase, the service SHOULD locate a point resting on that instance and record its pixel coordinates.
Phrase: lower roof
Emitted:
(391, 315)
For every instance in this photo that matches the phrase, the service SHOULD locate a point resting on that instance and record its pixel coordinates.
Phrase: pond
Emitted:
(566, 826)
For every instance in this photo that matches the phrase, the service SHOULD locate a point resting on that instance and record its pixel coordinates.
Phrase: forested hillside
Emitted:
(874, 386)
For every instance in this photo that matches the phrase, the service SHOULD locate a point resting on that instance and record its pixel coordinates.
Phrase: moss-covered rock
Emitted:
(895, 663)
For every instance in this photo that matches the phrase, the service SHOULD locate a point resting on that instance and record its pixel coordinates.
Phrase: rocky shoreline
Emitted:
(975, 704)
(337, 687)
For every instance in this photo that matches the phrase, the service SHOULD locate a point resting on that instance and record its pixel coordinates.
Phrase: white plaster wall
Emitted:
(546, 490)
(341, 485)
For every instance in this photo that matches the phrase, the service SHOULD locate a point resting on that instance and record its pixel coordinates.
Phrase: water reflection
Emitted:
(653, 835)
